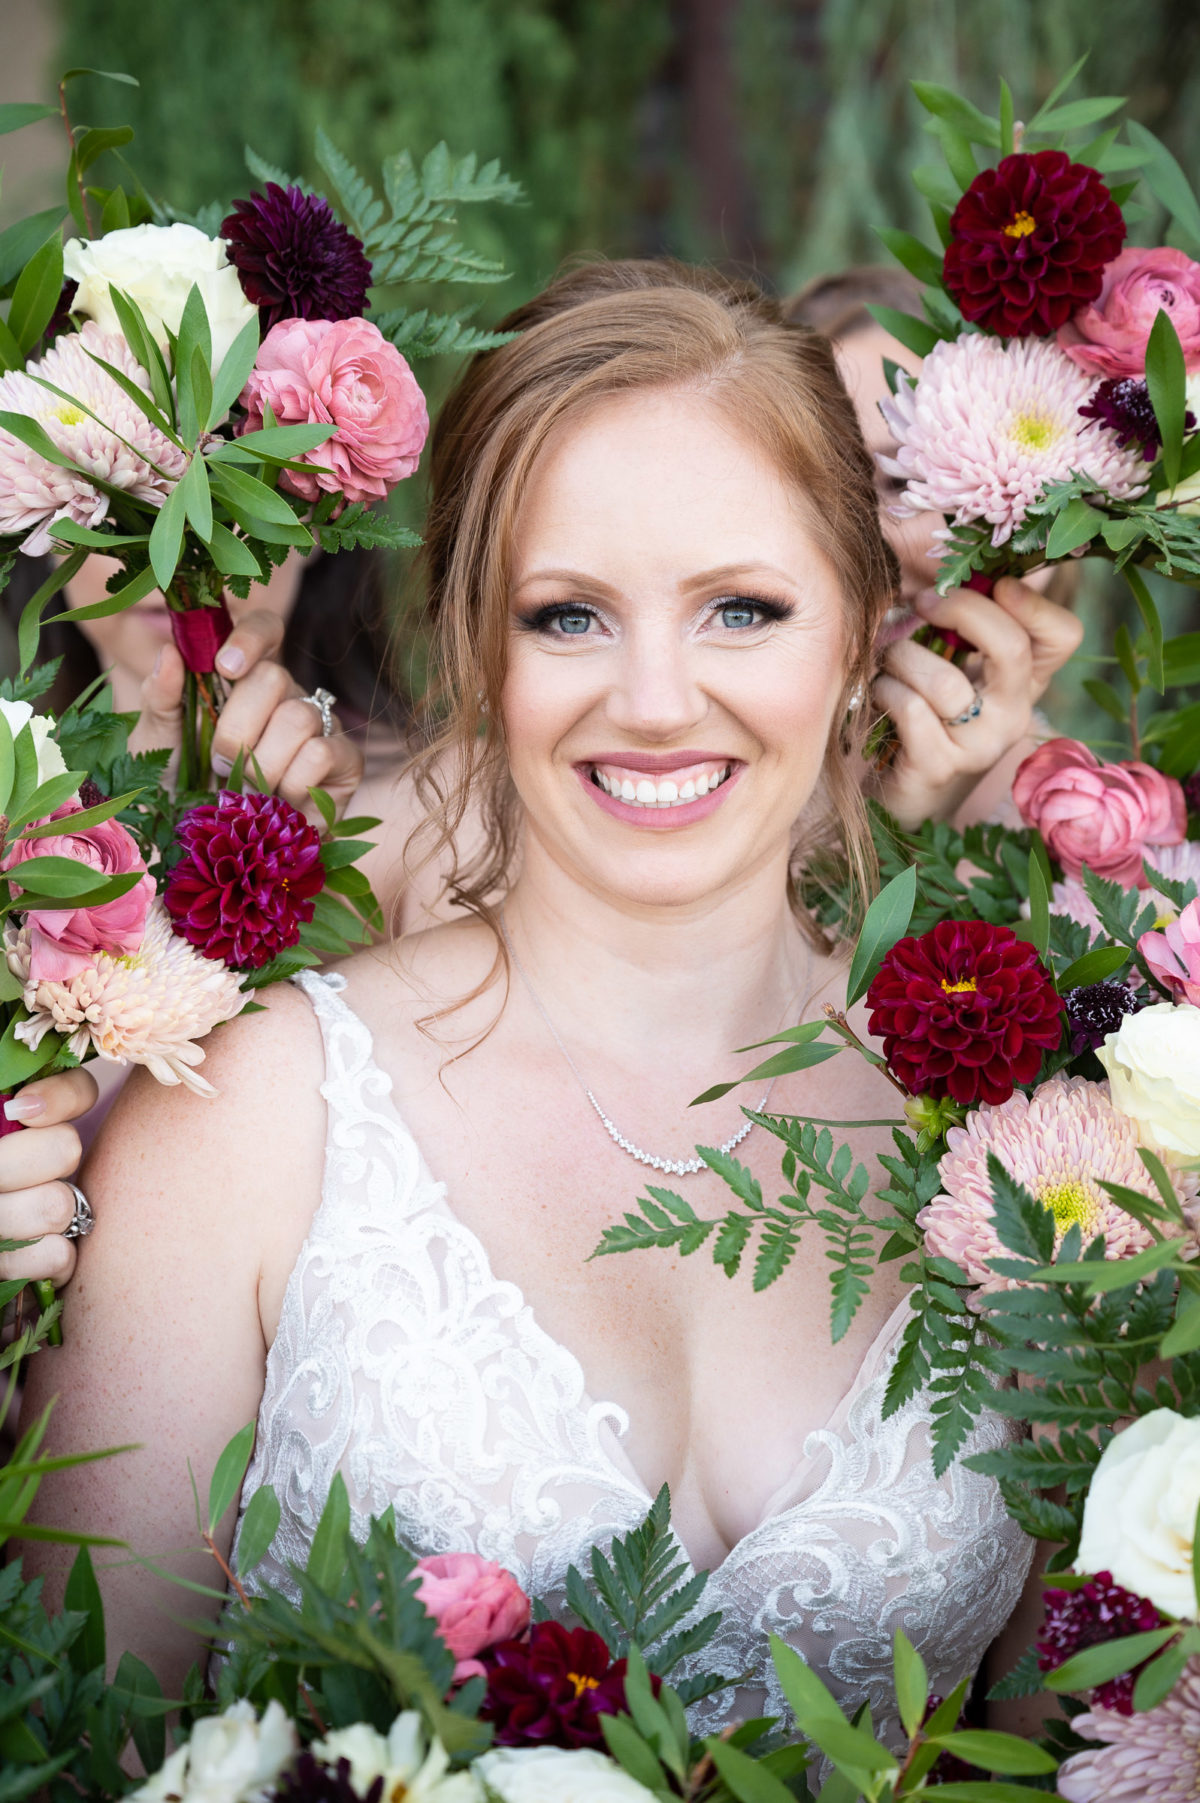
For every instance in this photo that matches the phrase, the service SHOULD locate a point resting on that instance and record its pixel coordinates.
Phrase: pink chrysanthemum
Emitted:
(147, 1008)
(1153, 1757)
(988, 426)
(1179, 862)
(35, 492)
(1060, 1142)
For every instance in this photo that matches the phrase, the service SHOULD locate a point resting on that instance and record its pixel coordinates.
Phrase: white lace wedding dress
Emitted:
(403, 1363)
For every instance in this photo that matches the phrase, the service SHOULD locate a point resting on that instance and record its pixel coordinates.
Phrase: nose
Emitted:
(655, 693)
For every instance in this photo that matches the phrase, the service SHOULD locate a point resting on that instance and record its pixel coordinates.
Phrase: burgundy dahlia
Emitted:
(247, 882)
(309, 1780)
(1191, 793)
(1029, 241)
(294, 258)
(965, 1011)
(551, 1689)
(1125, 407)
(1097, 1612)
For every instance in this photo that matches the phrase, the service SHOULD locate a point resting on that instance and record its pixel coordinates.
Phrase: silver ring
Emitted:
(969, 713)
(324, 703)
(82, 1221)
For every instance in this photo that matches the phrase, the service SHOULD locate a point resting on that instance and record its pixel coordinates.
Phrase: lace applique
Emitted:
(402, 1362)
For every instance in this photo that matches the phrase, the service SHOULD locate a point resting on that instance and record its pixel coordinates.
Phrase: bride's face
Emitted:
(678, 648)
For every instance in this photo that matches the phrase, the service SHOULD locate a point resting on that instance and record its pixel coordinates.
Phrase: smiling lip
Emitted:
(676, 771)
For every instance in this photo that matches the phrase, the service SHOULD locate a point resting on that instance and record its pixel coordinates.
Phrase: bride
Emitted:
(658, 574)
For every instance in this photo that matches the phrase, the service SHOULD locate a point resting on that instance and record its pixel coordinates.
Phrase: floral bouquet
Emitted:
(1032, 993)
(196, 400)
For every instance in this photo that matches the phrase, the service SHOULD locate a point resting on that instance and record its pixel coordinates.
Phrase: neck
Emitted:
(684, 984)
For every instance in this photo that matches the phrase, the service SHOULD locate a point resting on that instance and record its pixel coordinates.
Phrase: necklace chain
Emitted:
(676, 1167)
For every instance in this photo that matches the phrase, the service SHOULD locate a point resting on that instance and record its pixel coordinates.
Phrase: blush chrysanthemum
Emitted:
(34, 492)
(1151, 1757)
(146, 1007)
(987, 426)
(1061, 1143)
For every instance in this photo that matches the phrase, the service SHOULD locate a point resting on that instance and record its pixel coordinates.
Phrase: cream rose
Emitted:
(558, 1775)
(1153, 1065)
(408, 1766)
(1140, 1514)
(156, 265)
(50, 761)
(230, 1758)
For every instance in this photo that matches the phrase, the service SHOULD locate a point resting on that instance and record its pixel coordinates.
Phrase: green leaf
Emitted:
(36, 294)
(134, 590)
(1150, 615)
(17, 113)
(166, 536)
(148, 1726)
(257, 1529)
(1096, 966)
(59, 876)
(958, 113)
(1039, 906)
(29, 630)
(246, 494)
(196, 497)
(747, 1779)
(916, 257)
(11, 355)
(275, 443)
(1076, 525)
(632, 1752)
(232, 555)
(8, 764)
(228, 1473)
(1100, 1664)
(17, 1063)
(129, 81)
(1166, 378)
(1078, 113)
(1057, 91)
(917, 335)
(983, 1790)
(145, 403)
(912, 1683)
(1006, 119)
(886, 922)
(93, 143)
(115, 214)
(1153, 1685)
(798, 1058)
(231, 378)
(145, 348)
(22, 240)
(1166, 180)
(327, 1555)
(104, 810)
(999, 1752)
(86, 1651)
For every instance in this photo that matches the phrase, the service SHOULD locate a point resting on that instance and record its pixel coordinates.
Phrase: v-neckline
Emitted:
(870, 1367)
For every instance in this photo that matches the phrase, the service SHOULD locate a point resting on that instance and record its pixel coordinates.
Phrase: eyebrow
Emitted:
(703, 579)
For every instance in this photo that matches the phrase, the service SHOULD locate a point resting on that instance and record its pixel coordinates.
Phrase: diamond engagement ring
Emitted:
(969, 713)
(324, 703)
(82, 1221)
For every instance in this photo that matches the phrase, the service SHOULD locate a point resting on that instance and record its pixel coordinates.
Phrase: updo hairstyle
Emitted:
(605, 329)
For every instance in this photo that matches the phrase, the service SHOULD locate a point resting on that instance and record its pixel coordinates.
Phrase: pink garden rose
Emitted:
(1109, 336)
(1174, 955)
(1103, 815)
(475, 1603)
(64, 941)
(345, 373)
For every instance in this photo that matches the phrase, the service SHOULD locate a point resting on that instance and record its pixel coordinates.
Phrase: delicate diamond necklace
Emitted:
(677, 1167)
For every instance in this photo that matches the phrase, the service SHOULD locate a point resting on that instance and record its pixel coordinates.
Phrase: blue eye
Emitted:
(574, 621)
(738, 615)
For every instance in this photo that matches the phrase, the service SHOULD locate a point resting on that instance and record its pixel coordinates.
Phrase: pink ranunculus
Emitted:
(1103, 815)
(344, 373)
(1109, 336)
(64, 941)
(1174, 954)
(475, 1603)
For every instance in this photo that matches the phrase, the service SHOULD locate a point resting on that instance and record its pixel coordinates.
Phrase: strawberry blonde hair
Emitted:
(605, 329)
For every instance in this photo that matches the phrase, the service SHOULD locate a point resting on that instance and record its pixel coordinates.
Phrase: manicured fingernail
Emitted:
(221, 764)
(24, 1108)
(231, 661)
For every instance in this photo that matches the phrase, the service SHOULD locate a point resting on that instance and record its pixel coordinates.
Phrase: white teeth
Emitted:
(702, 785)
(688, 791)
(647, 793)
(665, 794)
(628, 792)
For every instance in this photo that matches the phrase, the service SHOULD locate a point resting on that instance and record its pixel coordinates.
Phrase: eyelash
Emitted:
(543, 618)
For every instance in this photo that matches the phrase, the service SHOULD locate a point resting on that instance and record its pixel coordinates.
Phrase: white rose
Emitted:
(50, 761)
(409, 1769)
(1140, 1514)
(156, 265)
(1153, 1065)
(557, 1775)
(231, 1758)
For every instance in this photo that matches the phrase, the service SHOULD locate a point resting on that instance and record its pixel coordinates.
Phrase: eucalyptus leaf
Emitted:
(228, 1473)
(886, 922)
(1166, 378)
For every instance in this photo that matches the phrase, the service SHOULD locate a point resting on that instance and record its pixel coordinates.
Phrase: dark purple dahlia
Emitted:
(248, 881)
(294, 258)
(310, 1780)
(551, 1689)
(1097, 1612)
(1191, 793)
(1097, 1010)
(1124, 406)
